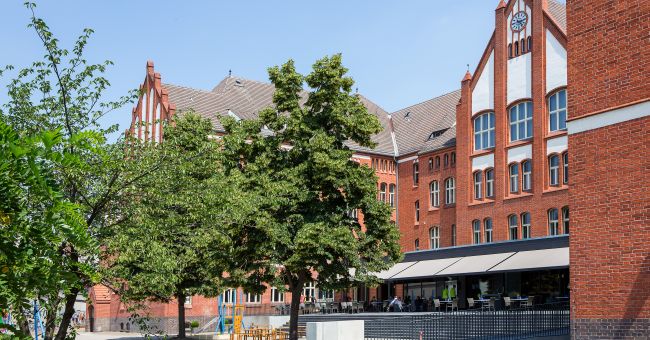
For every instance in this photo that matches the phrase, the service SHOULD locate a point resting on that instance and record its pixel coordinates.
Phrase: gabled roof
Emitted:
(245, 98)
(415, 124)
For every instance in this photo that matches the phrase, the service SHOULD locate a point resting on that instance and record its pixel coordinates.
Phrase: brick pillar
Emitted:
(501, 121)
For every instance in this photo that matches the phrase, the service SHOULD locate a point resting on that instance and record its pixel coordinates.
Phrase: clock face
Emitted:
(519, 21)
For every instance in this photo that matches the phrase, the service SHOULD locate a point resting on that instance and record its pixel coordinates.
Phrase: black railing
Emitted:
(540, 320)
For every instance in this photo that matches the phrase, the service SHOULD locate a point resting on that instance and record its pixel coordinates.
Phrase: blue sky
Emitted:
(399, 52)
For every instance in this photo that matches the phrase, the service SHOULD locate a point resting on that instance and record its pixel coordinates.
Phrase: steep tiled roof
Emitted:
(427, 126)
(557, 10)
(245, 98)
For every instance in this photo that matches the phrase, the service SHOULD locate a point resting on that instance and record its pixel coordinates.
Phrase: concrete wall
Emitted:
(337, 330)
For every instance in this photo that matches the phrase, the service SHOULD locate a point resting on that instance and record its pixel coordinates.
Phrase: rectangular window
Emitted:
(489, 183)
(276, 295)
(434, 234)
(416, 173)
(382, 192)
(565, 219)
(450, 191)
(188, 300)
(391, 195)
(417, 211)
(565, 174)
(309, 290)
(229, 296)
(525, 225)
(527, 175)
(434, 194)
(557, 111)
(253, 298)
(453, 235)
(553, 224)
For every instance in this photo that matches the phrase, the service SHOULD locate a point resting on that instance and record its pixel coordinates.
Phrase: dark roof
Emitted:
(557, 10)
(246, 98)
(415, 124)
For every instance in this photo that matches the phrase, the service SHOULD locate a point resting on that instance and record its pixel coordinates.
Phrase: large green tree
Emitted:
(171, 242)
(298, 184)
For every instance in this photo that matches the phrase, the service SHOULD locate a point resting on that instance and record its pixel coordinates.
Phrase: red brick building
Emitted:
(609, 138)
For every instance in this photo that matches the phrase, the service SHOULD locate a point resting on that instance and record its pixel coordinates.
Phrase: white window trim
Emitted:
(553, 225)
(450, 191)
(556, 96)
(434, 237)
(525, 227)
(490, 128)
(514, 177)
(553, 171)
(528, 117)
(513, 227)
(434, 194)
(488, 231)
(489, 183)
(280, 295)
(527, 176)
(476, 228)
(478, 185)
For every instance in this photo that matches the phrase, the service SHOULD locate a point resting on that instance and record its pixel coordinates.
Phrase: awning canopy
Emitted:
(535, 259)
(426, 268)
(474, 264)
(396, 269)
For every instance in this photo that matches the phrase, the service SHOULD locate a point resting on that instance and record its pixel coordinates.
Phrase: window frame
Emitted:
(525, 226)
(417, 244)
(553, 224)
(275, 292)
(391, 195)
(565, 168)
(416, 173)
(434, 194)
(489, 131)
(488, 231)
(437, 163)
(553, 170)
(453, 235)
(382, 191)
(513, 176)
(250, 298)
(417, 211)
(518, 123)
(489, 183)
(555, 115)
(478, 184)
(434, 237)
(526, 176)
(565, 220)
(450, 191)
(476, 231)
(513, 227)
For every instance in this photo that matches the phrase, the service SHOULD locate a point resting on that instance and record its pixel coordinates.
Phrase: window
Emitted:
(276, 295)
(514, 227)
(229, 296)
(434, 235)
(484, 131)
(516, 48)
(478, 185)
(557, 111)
(453, 235)
(476, 226)
(523, 46)
(530, 43)
(353, 214)
(253, 298)
(437, 162)
(565, 164)
(325, 294)
(527, 175)
(382, 192)
(446, 160)
(450, 191)
(416, 173)
(417, 244)
(309, 290)
(430, 163)
(553, 222)
(488, 230)
(453, 158)
(565, 219)
(514, 177)
(434, 194)
(391, 195)
(553, 170)
(525, 225)
(521, 121)
(509, 50)
(417, 211)
(489, 183)
(188, 300)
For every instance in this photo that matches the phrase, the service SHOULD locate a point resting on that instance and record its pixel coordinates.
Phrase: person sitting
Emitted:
(395, 305)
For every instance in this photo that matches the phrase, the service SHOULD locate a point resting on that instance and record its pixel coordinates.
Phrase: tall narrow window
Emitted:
(516, 48)
(276, 295)
(509, 50)
(565, 168)
(309, 289)
(484, 131)
(521, 121)
(488, 230)
(527, 175)
(434, 235)
(437, 165)
(417, 211)
(229, 295)
(553, 170)
(382, 192)
(530, 43)
(391, 195)
(417, 244)
(489, 183)
(514, 227)
(525, 225)
(514, 177)
(476, 227)
(557, 111)
(416, 173)
(434, 194)
(553, 222)
(453, 235)
(446, 157)
(453, 158)
(430, 163)
(565, 219)
(450, 191)
(478, 185)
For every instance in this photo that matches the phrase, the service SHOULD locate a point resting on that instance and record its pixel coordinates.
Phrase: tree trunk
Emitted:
(296, 292)
(180, 297)
(68, 312)
(50, 321)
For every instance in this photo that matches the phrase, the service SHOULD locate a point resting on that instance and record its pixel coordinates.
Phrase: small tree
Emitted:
(299, 185)
(170, 243)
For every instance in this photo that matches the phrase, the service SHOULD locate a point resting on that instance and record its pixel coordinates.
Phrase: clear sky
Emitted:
(399, 52)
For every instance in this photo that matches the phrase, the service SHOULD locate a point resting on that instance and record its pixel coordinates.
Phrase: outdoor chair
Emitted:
(471, 303)
(359, 306)
(436, 305)
(452, 305)
(530, 302)
(333, 307)
(346, 307)
(384, 307)
(507, 302)
(492, 304)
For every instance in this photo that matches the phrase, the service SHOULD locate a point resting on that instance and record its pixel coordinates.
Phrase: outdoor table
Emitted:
(482, 302)
(519, 300)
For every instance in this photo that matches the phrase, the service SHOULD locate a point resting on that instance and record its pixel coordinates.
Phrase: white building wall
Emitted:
(557, 145)
(483, 93)
(520, 153)
(556, 63)
(483, 162)
(519, 77)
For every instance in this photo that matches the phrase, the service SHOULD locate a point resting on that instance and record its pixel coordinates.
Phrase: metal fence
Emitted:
(537, 321)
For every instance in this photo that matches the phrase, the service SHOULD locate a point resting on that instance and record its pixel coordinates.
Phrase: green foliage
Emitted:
(295, 198)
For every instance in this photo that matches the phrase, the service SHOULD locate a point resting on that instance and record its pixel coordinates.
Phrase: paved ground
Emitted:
(135, 336)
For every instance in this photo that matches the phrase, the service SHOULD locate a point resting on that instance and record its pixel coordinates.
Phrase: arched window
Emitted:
(514, 177)
(484, 131)
(489, 183)
(417, 244)
(527, 175)
(417, 211)
(487, 224)
(553, 224)
(565, 219)
(513, 226)
(521, 121)
(453, 158)
(391, 195)
(565, 168)
(478, 185)
(434, 236)
(382, 192)
(476, 227)
(434, 194)
(450, 191)
(557, 111)
(553, 170)
(453, 234)
(525, 225)
(437, 162)
(416, 173)
(523, 46)
(430, 163)
(446, 160)
(509, 50)
(516, 48)
(530, 43)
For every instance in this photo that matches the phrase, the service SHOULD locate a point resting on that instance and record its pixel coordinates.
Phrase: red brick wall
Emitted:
(609, 54)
